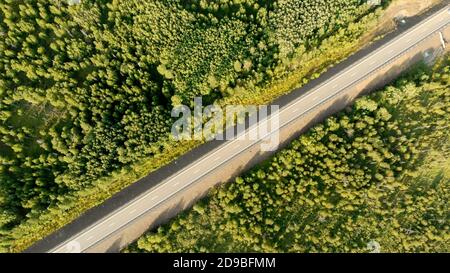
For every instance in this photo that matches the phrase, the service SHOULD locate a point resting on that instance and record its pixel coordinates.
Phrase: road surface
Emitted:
(193, 172)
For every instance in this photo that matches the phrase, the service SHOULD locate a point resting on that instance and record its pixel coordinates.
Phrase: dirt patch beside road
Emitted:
(409, 8)
(399, 9)
(404, 9)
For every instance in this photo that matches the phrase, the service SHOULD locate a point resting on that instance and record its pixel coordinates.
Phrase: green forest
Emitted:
(375, 177)
(86, 87)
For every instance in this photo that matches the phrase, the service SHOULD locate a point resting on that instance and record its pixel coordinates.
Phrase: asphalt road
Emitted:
(125, 214)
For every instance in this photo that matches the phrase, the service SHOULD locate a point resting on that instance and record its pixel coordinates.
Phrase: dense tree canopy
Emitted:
(86, 87)
(375, 175)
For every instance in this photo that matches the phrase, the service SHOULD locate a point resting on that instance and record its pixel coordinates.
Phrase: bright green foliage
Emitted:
(375, 173)
(86, 89)
(317, 19)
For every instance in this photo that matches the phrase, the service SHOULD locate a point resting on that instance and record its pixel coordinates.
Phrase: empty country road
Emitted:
(193, 172)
